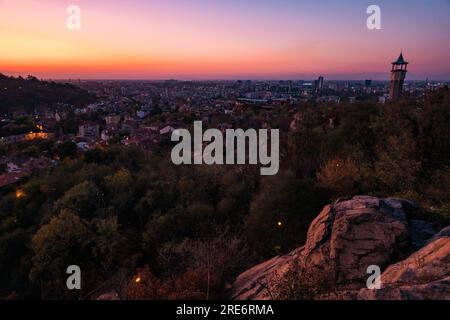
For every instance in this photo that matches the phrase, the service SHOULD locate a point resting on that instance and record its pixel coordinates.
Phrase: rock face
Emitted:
(345, 239)
(109, 296)
(423, 275)
(252, 284)
(351, 235)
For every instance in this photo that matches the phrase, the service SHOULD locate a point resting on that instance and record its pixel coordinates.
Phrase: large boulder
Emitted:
(343, 241)
(351, 235)
(423, 275)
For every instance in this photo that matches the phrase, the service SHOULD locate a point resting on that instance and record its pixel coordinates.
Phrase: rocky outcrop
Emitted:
(113, 295)
(344, 240)
(423, 275)
(351, 235)
(252, 284)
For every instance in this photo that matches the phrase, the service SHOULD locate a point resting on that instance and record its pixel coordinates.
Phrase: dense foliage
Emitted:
(135, 222)
(28, 94)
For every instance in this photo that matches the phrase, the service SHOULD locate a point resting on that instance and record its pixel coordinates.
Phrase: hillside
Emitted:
(27, 94)
(187, 232)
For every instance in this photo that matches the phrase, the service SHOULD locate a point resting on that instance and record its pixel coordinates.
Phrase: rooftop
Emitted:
(400, 60)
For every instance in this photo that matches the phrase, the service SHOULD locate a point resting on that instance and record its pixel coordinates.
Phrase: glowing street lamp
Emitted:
(20, 194)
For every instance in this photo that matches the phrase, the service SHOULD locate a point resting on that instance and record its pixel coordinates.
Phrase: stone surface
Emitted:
(109, 296)
(423, 275)
(252, 284)
(350, 235)
(443, 233)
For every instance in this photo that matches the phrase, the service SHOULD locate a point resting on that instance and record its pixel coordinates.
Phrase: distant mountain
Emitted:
(31, 93)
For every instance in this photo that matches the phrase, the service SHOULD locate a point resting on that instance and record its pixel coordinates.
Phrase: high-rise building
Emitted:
(319, 83)
(368, 83)
(398, 74)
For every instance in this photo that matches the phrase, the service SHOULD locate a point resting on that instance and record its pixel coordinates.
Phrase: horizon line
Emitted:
(331, 77)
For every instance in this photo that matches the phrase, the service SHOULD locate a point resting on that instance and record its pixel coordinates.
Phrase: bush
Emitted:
(302, 284)
(341, 176)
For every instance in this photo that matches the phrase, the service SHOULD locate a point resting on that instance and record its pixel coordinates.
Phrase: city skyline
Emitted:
(235, 40)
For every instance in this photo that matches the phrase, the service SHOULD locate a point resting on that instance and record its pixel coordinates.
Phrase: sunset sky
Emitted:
(232, 39)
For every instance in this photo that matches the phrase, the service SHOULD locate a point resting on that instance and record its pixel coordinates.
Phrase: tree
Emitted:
(14, 261)
(119, 190)
(83, 199)
(110, 244)
(67, 149)
(398, 168)
(65, 240)
(159, 197)
(281, 213)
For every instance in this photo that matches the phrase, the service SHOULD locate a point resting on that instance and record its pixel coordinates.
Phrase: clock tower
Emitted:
(398, 74)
